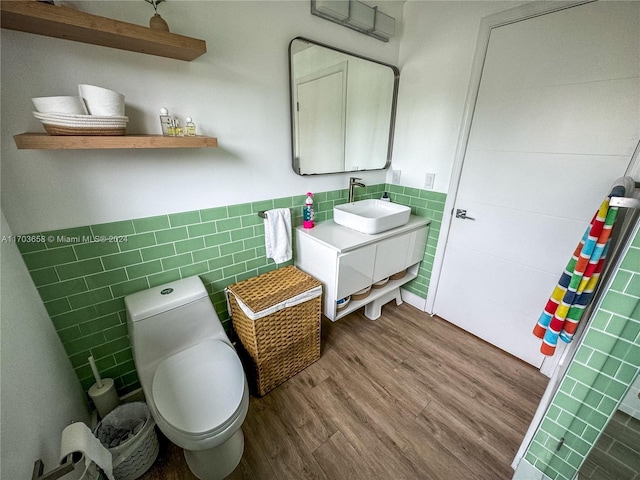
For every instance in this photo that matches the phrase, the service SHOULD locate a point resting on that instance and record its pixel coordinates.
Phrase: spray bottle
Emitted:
(308, 216)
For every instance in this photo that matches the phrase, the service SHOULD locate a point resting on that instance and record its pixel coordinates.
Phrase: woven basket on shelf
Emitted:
(63, 130)
(399, 275)
(286, 341)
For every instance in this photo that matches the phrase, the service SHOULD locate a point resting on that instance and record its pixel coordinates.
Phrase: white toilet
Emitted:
(190, 373)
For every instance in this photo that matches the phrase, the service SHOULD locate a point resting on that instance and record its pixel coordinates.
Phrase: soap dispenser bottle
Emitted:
(385, 197)
(308, 216)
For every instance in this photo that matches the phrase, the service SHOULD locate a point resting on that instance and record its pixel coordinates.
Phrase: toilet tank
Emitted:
(169, 318)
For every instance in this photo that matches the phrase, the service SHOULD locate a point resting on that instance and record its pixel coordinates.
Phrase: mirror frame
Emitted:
(394, 102)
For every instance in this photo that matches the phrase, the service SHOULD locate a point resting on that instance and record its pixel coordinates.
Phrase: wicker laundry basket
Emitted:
(277, 318)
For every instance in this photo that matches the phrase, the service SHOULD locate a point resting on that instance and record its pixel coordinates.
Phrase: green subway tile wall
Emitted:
(84, 273)
(428, 204)
(604, 366)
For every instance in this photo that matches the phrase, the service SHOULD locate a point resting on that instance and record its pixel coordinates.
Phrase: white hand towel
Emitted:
(277, 234)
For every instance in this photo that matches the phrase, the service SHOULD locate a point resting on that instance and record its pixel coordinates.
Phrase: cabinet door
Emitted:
(391, 256)
(355, 270)
(417, 246)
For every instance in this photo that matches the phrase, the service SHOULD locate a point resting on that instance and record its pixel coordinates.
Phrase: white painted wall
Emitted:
(238, 92)
(40, 392)
(436, 56)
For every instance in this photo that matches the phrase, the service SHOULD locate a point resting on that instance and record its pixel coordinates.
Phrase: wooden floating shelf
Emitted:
(67, 23)
(44, 141)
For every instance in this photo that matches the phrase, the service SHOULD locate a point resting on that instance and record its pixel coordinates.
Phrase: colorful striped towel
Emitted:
(577, 283)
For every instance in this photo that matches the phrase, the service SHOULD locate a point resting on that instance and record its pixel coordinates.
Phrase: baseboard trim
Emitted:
(413, 299)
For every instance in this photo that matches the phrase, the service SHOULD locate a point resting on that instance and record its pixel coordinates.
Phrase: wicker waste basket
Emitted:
(277, 318)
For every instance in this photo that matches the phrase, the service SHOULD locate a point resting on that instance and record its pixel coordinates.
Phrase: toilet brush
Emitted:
(103, 392)
(96, 373)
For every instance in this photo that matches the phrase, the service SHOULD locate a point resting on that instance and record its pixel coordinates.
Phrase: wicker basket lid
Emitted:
(264, 291)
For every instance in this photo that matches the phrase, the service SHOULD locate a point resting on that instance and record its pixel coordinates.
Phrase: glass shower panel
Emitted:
(616, 454)
(585, 410)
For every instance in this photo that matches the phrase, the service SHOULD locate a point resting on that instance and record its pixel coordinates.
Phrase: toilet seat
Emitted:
(199, 391)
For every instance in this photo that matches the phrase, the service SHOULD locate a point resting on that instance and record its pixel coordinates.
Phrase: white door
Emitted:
(555, 123)
(321, 104)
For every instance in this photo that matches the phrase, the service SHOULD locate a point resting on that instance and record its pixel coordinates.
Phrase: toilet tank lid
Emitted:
(162, 298)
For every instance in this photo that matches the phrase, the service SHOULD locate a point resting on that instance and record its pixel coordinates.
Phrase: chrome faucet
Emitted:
(353, 182)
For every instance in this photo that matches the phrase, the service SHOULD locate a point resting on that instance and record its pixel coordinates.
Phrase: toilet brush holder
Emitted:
(104, 396)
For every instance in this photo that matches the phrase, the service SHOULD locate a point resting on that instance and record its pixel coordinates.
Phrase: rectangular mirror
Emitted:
(342, 109)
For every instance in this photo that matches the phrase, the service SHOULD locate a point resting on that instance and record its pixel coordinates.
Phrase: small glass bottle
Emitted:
(165, 121)
(177, 127)
(171, 129)
(190, 128)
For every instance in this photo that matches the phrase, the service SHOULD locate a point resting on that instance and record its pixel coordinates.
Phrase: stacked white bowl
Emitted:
(67, 105)
(101, 101)
(96, 111)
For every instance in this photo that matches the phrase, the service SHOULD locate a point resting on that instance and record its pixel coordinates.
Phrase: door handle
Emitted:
(463, 214)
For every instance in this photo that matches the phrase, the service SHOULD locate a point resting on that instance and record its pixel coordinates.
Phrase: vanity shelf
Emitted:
(69, 24)
(378, 293)
(44, 141)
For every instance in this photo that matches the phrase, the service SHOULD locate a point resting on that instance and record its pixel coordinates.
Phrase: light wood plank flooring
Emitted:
(405, 397)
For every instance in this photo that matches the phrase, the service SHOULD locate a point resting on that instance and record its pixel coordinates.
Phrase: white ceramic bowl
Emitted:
(101, 101)
(61, 104)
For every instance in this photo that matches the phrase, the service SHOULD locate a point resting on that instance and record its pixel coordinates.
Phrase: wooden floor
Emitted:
(405, 397)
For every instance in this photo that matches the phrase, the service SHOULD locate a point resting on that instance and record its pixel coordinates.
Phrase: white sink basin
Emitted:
(371, 216)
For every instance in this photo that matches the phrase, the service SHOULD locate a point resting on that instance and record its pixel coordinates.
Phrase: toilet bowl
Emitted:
(191, 375)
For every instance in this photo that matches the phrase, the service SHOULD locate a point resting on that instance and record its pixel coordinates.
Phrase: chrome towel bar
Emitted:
(626, 202)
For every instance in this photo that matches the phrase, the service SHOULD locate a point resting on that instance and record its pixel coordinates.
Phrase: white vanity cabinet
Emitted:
(347, 261)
